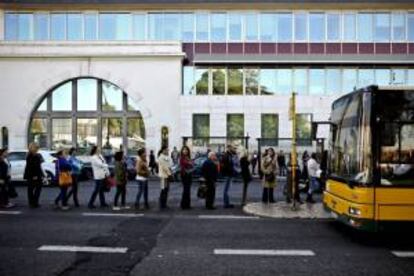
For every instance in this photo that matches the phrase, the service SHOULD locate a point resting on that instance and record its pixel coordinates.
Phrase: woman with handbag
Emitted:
(269, 169)
(187, 168)
(34, 175)
(4, 180)
(100, 173)
(164, 173)
(120, 179)
(63, 169)
(143, 172)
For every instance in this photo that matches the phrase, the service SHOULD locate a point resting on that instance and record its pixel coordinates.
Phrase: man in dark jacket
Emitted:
(210, 174)
(229, 162)
(34, 175)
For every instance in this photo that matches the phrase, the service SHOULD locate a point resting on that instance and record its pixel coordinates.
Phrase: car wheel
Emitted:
(49, 179)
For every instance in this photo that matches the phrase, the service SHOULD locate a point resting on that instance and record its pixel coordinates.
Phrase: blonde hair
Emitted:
(33, 147)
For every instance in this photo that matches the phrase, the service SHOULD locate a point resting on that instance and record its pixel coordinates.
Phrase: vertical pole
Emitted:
(294, 154)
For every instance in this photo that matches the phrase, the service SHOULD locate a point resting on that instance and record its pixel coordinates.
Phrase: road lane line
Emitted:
(263, 252)
(88, 249)
(403, 254)
(112, 215)
(225, 217)
(10, 212)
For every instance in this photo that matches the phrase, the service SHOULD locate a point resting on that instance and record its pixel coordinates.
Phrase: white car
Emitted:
(17, 161)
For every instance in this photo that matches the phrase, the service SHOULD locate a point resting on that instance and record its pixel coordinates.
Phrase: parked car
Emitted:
(86, 171)
(17, 161)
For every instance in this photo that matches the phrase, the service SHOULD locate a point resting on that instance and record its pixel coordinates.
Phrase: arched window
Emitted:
(86, 111)
(4, 137)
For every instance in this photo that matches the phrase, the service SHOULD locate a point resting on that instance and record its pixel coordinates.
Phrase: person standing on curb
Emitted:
(164, 172)
(34, 175)
(228, 164)
(269, 168)
(100, 173)
(186, 167)
(246, 175)
(76, 171)
(210, 174)
(120, 179)
(143, 173)
(313, 169)
(4, 180)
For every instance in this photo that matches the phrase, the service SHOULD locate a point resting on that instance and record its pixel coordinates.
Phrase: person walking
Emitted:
(281, 161)
(164, 173)
(209, 171)
(4, 180)
(34, 175)
(186, 168)
(76, 165)
(152, 163)
(289, 194)
(143, 173)
(228, 170)
(100, 173)
(63, 168)
(120, 180)
(269, 169)
(313, 170)
(245, 173)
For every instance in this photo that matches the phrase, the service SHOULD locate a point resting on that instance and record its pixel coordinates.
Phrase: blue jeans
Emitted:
(99, 189)
(226, 198)
(313, 185)
(143, 189)
(62, 196)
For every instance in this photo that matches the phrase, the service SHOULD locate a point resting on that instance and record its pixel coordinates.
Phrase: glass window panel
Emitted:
(270, 126)
(111, 97)
(349, 27)
(201, 26)
(111, 134)
(365, 77)
(284, 81)
(139, 26)
(87, 134)
(251, 26)
(398, 26)
(11, 23)
(300, 81)
(62, 98)
(133, 105)
(25, 26)
(201, 81)
(155, 25)
(235, 81)
(218, 27)
(124, 26)
(38, 132)
(235, 26)
(316, 81)
(188, 80)
(87, 94)
(219, 81)
(382, 27)
(135, 134)
(201, 125)
(75, 27)
(172, 26)
(317, 27)
(235, 125)
(410, 80)
(187, 34)
(91, 22)
(410, 23)
(349, 80)
(284, 27)
(41, 31)
(382, 76)
(398, 77)
(268, 27)
(334, 26)
(268, 82)
(58, 26)
(43, 105)
(303, 129)
(107, 26)
(365, 22)
(301, 26)
(252, 81)
(61, 133)
(333, 81)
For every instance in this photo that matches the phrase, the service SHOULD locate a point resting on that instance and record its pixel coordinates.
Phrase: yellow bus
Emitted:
(370, 183)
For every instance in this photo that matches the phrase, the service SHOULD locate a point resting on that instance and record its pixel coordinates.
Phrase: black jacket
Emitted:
(4, 168)
(227, 166)
(245, 171)
(33, 170)
(209, 171)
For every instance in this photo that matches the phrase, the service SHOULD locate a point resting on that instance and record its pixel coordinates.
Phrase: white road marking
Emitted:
(111, 215)
(403, 254)
(89, 249)
(264, 252)
(225, 217)
(10, 212)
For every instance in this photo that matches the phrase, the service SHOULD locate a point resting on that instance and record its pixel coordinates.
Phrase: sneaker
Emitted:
(116, 208)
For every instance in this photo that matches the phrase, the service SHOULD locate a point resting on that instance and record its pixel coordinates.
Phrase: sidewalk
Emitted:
(283, 210)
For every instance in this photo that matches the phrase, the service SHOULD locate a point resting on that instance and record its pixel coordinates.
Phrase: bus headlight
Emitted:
(354, 211)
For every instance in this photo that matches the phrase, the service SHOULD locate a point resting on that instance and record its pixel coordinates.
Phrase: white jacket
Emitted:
(164, 164)
(313, 168)
(99, 167)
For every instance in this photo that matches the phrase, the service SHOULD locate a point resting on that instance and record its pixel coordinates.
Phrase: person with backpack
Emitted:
(269, 169)
(143, 172)
(63, 172)
(120, 180)
(76, 171)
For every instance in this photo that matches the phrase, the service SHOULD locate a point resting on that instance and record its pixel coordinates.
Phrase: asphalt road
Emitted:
(190, 242)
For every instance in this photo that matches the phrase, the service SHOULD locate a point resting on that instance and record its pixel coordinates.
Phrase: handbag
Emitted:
(202, 191)
(65, 179)
(109, 182)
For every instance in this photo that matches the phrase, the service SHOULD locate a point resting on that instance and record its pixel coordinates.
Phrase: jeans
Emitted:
(245, 186)
(226, 198)
(62, 196)
(34, 187)
(313, 185)
(143, 189)
(74, 190)
(120, 191)
(99, 189)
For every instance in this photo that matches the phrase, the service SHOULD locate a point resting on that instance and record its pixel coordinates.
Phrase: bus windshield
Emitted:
(350, 141)
(396, 119)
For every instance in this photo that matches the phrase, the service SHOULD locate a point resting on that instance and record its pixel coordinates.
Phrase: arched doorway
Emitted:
(87, 111)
